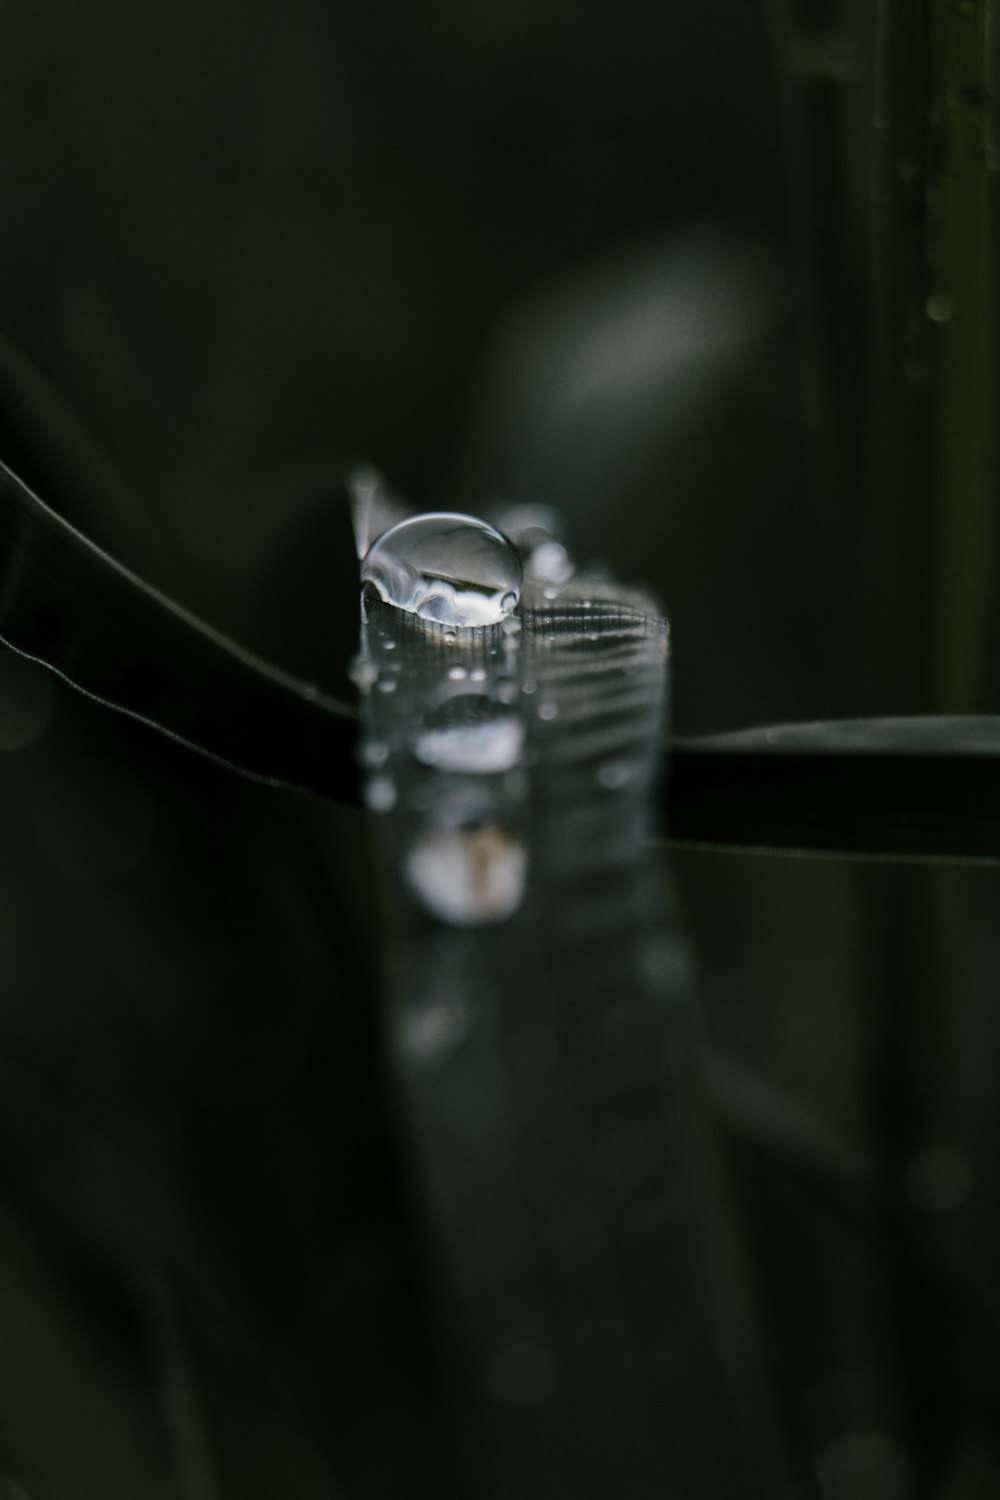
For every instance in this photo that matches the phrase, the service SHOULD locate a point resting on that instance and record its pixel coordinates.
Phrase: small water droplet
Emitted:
(388, 644)
(469, 876)
(506, 690)
(511, 625)
(529, 685)
(457, 674)
(547, 710)
(551, 561)
(387, 685)
(446, 567)
(612, 775)
(529, 525)
(551, 591)
(380, 794)
(373, 753)
(470, 734)
(478, 674)
(363, 673)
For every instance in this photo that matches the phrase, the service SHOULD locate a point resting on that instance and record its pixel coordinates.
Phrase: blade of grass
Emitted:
(68, 605)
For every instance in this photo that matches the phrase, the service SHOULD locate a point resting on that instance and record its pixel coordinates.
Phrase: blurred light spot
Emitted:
(27, 701)
(665, 968)
(613, 775)
(468, 876)
(93, 820)
(427, 1033)
(522, 1374)
(939, 307)
(380, 794)
(938, 1180)
(864, 1466)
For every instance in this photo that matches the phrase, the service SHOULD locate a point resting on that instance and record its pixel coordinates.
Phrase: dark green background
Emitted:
(611, 258)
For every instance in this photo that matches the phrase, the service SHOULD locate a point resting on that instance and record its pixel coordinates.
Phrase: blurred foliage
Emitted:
(624, 260)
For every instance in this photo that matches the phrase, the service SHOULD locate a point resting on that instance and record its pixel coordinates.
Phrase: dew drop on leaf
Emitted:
(447, 567)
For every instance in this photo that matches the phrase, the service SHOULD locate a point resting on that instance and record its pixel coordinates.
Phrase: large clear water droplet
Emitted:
(471, 734)
(446, 567)
(469, 876)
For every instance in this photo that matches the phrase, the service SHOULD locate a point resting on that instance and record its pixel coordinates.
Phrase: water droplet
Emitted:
(612, 775)
(547, 710)
(478, 674)
(446, 567)
(551, 561)
(457, 674)
(511, 626)
(469, 876)
(388, 644)
(363, 673)
(536, 531)
(387, 685)
(506, 690)
(470, 734)
(380, 794)
(373, 753)
(528, 526)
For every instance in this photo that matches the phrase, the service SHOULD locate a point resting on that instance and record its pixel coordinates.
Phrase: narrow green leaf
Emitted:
(909, 788)
(68, 605)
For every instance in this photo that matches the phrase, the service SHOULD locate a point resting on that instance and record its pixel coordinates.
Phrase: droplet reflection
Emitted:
(446, 567)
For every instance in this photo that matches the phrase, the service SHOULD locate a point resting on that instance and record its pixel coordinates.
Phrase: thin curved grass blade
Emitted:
(903, 788)
(68, 605)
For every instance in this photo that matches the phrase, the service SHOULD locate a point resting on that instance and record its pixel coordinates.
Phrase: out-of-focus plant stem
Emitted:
(962, 305)
(931, 476)
(932, 452)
